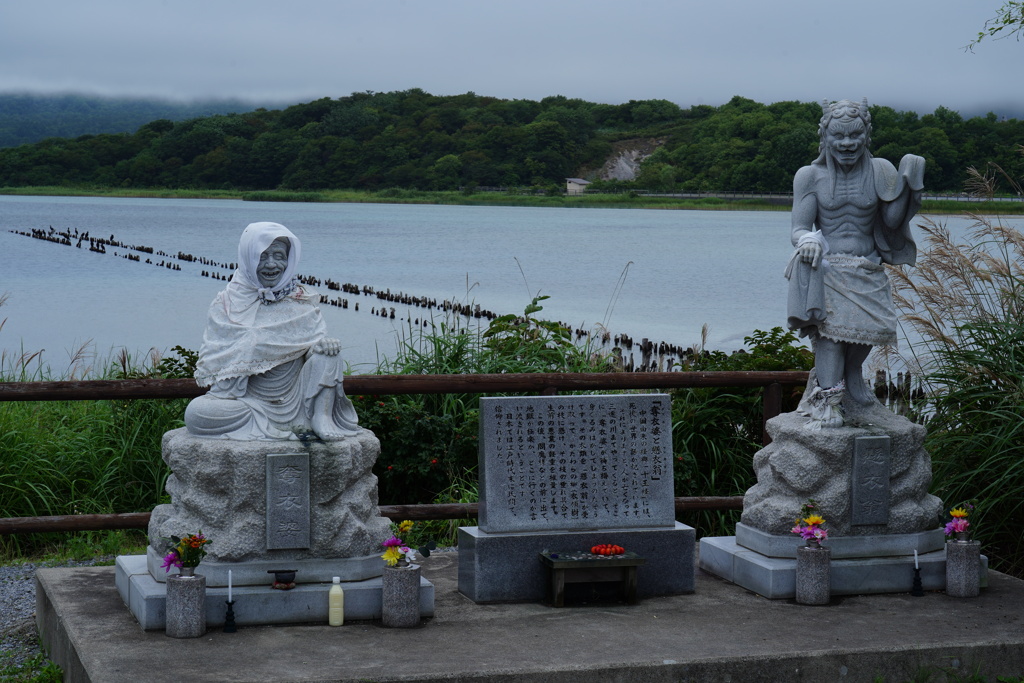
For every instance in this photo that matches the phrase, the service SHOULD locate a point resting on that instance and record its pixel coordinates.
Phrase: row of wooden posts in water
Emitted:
(654, 356)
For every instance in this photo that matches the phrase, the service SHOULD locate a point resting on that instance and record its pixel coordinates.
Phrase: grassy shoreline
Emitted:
(400, 196)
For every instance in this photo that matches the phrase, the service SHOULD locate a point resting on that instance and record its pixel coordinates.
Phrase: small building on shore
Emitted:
(575, 186)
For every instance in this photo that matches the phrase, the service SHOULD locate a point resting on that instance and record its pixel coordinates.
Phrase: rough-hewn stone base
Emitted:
(801, 463)
(219, 486)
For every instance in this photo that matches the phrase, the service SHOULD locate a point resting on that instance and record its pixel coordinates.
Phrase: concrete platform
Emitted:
(721, 632)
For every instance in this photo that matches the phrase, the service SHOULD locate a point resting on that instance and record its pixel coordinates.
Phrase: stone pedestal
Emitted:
(963, 569)
(225, 488)
(186, 606)
(255, 605)
(506, 568)
(870, 479)
(328, 524)
(566, 473)
(775, 577)
(400, 596)
(813, 578)
(824, 464)
(843, 547)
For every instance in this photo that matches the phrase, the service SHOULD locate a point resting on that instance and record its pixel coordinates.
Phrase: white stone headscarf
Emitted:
(250, 328)
(245, 291)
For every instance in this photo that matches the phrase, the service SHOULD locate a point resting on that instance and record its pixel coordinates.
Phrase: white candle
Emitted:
(229, 577)
(915, 561)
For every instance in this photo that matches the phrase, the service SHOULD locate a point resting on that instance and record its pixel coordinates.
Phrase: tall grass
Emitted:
(966, 301)
(79, 457)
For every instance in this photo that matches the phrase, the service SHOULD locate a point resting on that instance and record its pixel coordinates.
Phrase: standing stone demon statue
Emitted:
(851, 215)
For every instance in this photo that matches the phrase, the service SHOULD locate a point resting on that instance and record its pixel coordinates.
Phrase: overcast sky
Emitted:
(907, 54)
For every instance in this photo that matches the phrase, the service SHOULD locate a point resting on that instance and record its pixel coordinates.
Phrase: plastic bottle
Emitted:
(336, 604)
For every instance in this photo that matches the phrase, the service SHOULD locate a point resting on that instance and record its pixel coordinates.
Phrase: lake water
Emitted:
(685, 269)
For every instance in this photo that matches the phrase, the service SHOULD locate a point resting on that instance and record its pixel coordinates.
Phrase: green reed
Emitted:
(966, 301)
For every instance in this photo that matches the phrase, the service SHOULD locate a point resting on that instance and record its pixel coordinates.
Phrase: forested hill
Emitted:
(26, 118)
(412, 139)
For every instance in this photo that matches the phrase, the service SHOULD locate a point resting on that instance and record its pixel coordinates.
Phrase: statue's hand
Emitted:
(810, 252)
(327, 346)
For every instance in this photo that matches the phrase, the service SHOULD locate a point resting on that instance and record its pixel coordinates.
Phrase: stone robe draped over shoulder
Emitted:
(264, 382)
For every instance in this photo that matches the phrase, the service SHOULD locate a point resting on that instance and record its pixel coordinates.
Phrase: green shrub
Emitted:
(422, 452)
(717, 431)
(281, 196)
(81, 457)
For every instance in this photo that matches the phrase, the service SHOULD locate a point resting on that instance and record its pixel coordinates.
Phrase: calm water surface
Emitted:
(685, 269)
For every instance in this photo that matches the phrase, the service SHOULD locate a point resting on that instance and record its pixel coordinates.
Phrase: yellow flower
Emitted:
(814, 519)
(405, 527)
(392, 555)
(958, 512)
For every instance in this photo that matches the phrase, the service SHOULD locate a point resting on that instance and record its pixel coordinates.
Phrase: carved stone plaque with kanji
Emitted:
(287, 501)
(576, 462)
(870, 483)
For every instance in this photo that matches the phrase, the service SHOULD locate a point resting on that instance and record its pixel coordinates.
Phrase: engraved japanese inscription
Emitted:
(576, 462)
(870, 481)
(287, 501)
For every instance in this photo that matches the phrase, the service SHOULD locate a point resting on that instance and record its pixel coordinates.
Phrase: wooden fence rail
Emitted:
(382, 385)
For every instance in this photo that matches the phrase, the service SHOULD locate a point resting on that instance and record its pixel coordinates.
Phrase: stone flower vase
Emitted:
(963, 568)
(186, 604)
(400, 596)
(813, 575)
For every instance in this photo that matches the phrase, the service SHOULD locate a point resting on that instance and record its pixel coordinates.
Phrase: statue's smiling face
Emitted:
(846, 140)
(273, 262)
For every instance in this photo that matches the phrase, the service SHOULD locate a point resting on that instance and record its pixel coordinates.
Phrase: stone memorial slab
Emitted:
(287, 501)
(576, 462)
(869, 498)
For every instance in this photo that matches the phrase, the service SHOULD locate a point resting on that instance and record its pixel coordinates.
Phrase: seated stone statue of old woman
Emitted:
(272, 371)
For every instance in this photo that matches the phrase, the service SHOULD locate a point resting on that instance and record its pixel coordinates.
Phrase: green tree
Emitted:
(445, 173)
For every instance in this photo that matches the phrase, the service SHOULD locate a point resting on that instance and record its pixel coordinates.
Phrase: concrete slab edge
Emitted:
(897, 664)
(985, 658)
(55, 638)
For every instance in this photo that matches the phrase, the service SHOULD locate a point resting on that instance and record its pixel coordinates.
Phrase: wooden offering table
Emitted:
(584, 567)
